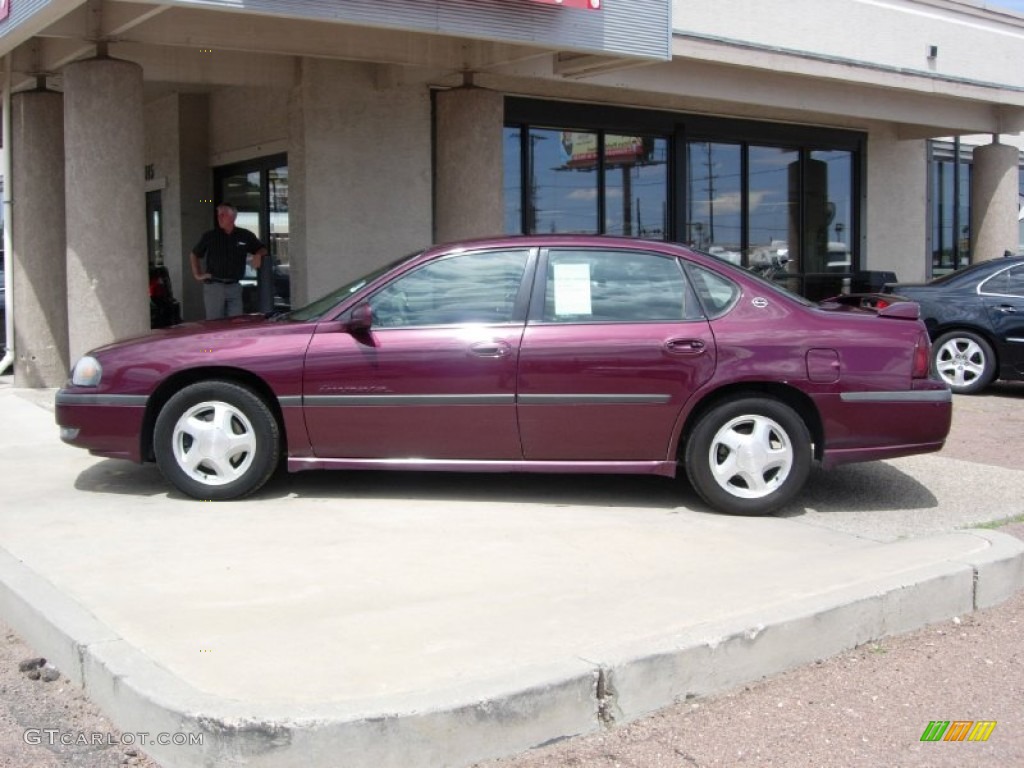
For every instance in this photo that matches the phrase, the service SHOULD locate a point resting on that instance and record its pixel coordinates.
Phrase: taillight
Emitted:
(921, 357)
(157, 290)
(881, 303)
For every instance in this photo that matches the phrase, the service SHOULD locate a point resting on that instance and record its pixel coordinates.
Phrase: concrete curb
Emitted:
(512, 711)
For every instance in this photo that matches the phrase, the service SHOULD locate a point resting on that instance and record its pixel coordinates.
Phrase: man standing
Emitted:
(223, 251)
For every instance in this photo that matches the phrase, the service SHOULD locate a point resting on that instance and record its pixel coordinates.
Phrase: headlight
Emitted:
(87, 372)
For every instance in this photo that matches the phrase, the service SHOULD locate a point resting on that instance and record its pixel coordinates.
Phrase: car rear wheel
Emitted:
(749, 456)
(216, 440)
(963, 360)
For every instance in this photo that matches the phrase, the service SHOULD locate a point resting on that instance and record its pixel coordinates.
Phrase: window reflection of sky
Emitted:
(563, 195)
(563, 183)
(715, 197)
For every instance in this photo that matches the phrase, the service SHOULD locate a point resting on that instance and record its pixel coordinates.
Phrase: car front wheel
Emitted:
(216, 440)
(963, 360)
(749, 456)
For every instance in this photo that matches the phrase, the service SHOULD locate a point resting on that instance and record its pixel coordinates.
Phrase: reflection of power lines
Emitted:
(530, 218)
(711, 195)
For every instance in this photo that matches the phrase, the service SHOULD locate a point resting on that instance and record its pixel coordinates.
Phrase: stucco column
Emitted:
(468, 176)
(994, 197)
(39, 265)
(108, 272)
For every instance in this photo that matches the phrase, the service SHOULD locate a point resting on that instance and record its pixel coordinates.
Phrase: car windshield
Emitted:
(317, 309)
(766, 281)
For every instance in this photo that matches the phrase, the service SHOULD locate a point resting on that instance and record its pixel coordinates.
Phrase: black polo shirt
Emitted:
(225, 254)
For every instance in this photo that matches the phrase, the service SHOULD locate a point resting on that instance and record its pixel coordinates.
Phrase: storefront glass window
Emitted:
(773, 197)
(829, 211)
(714, 198)
(512, 189)
(781, 201)
(1020, 212)
(585, 182)
(950, 209)
(277, 182)
(561, 182)
(636, 186)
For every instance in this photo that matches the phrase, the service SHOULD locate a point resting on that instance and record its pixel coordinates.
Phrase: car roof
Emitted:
(558, 239)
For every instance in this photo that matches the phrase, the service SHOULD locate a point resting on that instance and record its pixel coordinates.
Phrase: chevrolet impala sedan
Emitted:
(565, 354)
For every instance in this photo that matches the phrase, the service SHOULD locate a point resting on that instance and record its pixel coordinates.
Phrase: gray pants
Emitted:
(222, 299)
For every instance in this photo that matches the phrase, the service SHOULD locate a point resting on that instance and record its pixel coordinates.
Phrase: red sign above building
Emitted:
(590, 5)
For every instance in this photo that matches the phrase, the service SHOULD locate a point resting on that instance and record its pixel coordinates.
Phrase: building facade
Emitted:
(822, 133)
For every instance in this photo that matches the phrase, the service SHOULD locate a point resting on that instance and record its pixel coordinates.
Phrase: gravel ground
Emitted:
(866, 707)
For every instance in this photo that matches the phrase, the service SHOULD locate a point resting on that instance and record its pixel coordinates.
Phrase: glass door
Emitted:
(155, 228)
(259, 190)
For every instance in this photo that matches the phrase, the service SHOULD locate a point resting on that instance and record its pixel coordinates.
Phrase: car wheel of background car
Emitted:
(964, 360)
(216, 440)
(749, 456)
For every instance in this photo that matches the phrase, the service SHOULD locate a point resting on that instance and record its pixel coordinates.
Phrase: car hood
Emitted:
(242, 324)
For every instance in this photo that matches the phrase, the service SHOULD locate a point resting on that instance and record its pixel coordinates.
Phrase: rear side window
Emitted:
(1010, 282)
(477, 287)
(717, 294)
(608, 286)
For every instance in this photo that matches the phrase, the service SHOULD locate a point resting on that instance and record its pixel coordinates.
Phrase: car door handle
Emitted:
(491, 349)
(685, 346)
(1007, 308)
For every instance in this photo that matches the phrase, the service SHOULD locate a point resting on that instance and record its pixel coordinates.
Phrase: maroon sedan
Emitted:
(524, 354)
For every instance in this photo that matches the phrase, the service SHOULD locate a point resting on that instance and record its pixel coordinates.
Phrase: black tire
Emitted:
(964, 360)
(232, 457)
(772, 443)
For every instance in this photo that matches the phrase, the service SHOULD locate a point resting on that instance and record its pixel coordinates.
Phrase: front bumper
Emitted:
(105, 425)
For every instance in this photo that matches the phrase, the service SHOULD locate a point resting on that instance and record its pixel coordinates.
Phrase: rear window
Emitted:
(717, 293)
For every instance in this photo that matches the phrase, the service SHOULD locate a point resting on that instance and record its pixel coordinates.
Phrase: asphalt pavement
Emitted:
(398, 619)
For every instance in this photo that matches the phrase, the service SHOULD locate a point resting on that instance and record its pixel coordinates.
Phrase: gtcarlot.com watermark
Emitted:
(52, 737)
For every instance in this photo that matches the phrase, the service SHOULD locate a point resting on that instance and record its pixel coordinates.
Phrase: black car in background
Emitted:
(164, 309)
(975, 317)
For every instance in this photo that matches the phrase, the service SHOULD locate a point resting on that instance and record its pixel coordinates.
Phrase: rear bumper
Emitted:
(867, 426)
(105, 425)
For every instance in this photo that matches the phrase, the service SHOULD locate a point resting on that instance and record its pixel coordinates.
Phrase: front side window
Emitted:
(479, 287)
(606, 286)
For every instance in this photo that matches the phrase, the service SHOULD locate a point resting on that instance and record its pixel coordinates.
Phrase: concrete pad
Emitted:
(373, 619)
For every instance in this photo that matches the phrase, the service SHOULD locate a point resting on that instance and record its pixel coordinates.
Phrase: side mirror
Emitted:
(361, 319)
